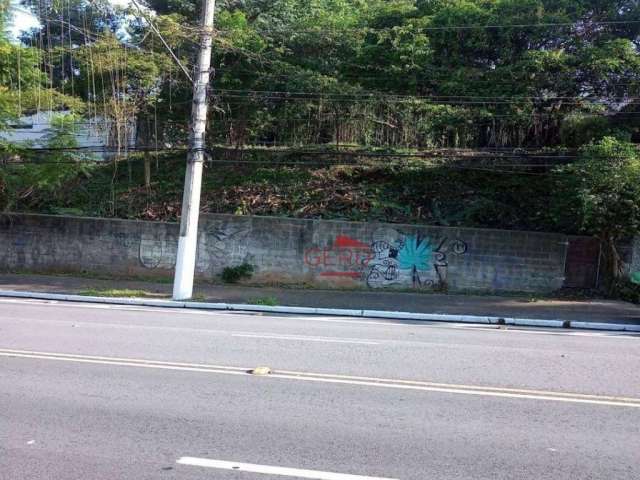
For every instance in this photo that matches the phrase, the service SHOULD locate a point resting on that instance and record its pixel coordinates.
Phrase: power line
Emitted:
(583, 23)
(376, 95)
(464, 153)
(314, 163)
(164, 42)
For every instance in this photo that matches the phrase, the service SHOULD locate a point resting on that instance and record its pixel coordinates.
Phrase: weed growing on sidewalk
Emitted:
(266, 301)
(121, 293)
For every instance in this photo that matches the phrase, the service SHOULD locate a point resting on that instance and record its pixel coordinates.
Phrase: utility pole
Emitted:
(187, 245)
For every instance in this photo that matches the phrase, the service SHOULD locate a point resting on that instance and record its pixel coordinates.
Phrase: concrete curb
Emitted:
(432, 317)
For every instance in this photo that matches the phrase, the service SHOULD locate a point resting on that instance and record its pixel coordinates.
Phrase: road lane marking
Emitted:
(227, 315)
(271, 470)
(128, 308)
(5, 352)
(203, 330)
(516, 329)
(304, 338)
(416, 385)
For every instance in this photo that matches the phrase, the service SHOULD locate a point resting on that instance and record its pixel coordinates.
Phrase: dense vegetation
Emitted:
(385, 73)
(517, 114)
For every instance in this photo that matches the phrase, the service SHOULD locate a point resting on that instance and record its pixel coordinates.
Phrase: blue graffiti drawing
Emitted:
(416, 254)
(635, 278)
(414, 260)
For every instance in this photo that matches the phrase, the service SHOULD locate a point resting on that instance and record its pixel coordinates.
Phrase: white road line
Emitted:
(270, 470)
(203, 331)
(480, 328)
(118, 360)
(388, 323)
(126, 308)
(227, 315)
(303, 338)
(223, 313)
(341, 379)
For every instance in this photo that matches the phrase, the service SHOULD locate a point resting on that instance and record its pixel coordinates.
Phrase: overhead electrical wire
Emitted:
(365, 29)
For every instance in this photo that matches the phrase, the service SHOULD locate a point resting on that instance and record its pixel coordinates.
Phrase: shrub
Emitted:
(627, 290)
(235, 274)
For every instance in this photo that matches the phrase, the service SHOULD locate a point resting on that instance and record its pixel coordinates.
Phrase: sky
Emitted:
(24, 20)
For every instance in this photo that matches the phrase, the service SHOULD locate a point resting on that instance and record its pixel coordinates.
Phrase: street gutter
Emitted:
(427, 317)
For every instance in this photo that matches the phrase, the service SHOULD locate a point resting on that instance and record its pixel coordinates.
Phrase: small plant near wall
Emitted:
(235, 274)
(627, 290)
(266, 301)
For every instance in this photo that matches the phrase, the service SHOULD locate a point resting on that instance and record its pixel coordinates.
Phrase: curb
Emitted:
(432, 317)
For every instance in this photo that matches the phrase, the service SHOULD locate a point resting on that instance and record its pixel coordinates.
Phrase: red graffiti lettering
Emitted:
(347, 254)
(313, 257)
(345, 257)
(328, 258)
(348, 242)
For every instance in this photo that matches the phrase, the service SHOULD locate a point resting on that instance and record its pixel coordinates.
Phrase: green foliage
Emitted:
(39, 182)
(600, 194)
(377, 75)
(416, 193)
(604, 188)
(119, 293)
(407, 48)
(235, 274)
(267, 301)
(540, 81)
(627, 290)
(581, 129)
(19, 73)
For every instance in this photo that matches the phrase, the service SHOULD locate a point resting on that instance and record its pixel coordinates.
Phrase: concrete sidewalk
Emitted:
(596, 311)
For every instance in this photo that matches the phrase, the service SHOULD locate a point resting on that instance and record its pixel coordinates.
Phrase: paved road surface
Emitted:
(106, 392)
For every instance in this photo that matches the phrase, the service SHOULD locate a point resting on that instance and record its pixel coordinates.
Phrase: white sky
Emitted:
(23, 20)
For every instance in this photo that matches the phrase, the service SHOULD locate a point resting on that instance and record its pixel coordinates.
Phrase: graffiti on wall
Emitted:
(416, 260)
(216, 244)
(155, 253)
(223, 242)
(390, 258)
(635, 278)
(345, 258)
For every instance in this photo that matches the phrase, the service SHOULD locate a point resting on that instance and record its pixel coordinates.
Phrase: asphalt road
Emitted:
(106, 392)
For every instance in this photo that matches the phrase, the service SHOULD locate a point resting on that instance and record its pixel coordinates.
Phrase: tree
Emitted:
(601, 192)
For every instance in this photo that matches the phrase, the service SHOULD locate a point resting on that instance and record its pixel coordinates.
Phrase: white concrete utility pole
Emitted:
(187, 245)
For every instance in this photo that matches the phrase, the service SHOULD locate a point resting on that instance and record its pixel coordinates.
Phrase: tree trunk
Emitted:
(613, 267)
(147, 170)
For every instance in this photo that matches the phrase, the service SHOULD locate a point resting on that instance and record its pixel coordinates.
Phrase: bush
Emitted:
(627, 290)
(235, 274)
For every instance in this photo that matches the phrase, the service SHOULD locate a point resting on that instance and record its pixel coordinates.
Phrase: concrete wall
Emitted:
(321, 253)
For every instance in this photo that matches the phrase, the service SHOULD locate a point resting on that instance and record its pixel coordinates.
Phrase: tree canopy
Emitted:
(379, 73)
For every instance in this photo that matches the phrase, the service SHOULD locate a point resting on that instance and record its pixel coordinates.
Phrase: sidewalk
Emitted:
(596, 311)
